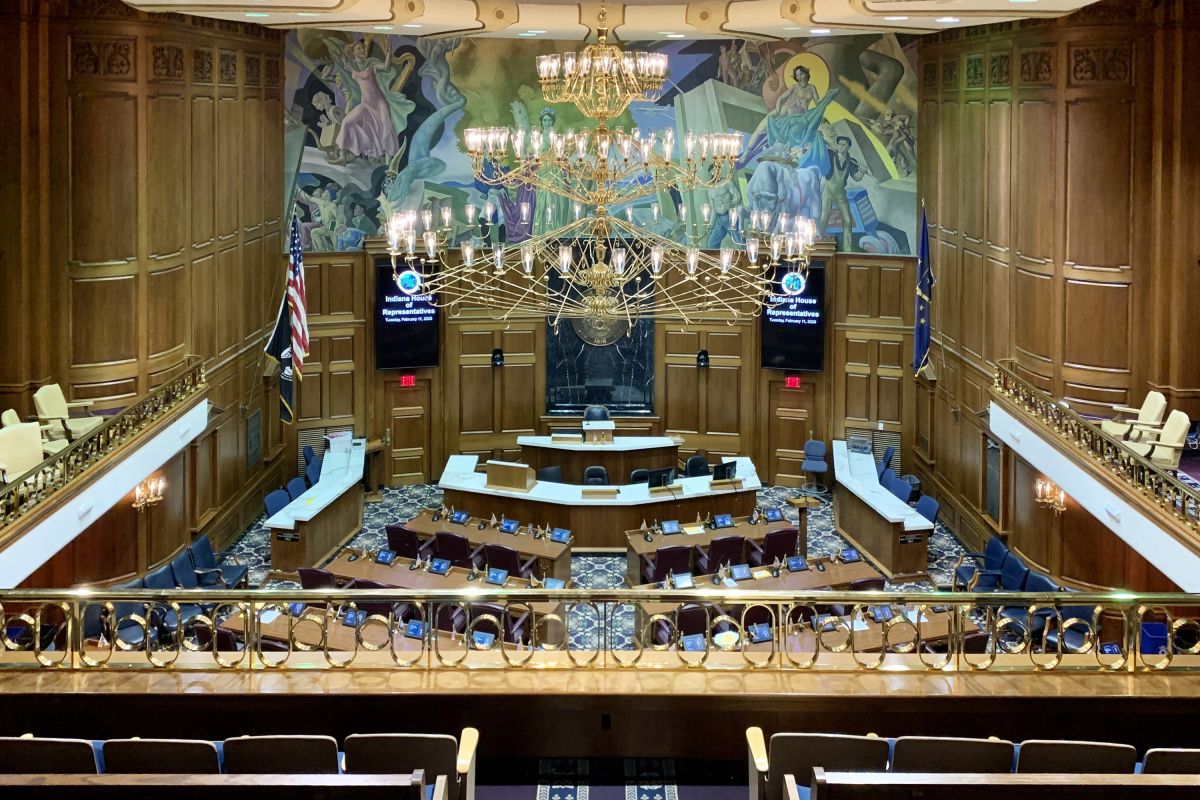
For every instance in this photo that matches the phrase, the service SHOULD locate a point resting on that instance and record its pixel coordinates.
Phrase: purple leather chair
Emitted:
(499, 556)
(677, 558)
(722, 550)
(405, 542)
(515, 623)
(313, 578)
(690, 619)
(401, 610)
(456, 549)
(779, 544)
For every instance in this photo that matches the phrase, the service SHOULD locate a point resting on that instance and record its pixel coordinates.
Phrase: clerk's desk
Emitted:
(620, 457)
(595, 522)
(883, 527)
(310, 529)
(636, 546)
(554, 559)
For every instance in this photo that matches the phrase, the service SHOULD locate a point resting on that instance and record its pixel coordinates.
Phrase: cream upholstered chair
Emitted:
(20, 450)
(1149, 415)
(52, 407)
(49, 446)
(1166, 449)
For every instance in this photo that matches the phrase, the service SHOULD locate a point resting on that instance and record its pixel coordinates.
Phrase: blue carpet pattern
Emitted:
(587, 624)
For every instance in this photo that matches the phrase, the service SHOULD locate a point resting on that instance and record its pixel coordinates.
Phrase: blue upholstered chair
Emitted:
(639, 476)
(980, 572)
(885, 462)
(814, 465)
(928, 508)
(1074, 635)
(886, 477)
(312, 472)
(276, 501)
(161, 615)
(900, 488)
(296, 487)
(217, 569)
(310, 455)
(595, 476)
(1035, 582)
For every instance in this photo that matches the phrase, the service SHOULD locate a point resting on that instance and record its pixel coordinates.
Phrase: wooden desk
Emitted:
(554, 559)
(400, 576)
(312, 527)
(883, 527)
(620, 458)
(309, 630)
(636, 545)
(595, 522)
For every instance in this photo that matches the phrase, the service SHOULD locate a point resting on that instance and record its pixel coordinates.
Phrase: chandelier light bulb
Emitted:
(489, 212)
(527, 259)
(682, 213)
(783, 221)
(668, 144)
(535, 144)
(431, 243)
(445, 216)
(726, 259)
(468, 254)
(426, 219)
(752, 249)
(733, 219)
(790, 245)
(395, 230)
(498, 257)
(564, 260)
(689, 145)
(470, 214)
(693, 260)
(524, 213)
(654, 210)
(656, 259)
(776, 244)
(618, 261)
(550, 217)
(629, 214)
(410, 240)
(578, 210)
(705, 212)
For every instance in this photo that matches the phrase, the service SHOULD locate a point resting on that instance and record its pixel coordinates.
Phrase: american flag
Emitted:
(297, 303)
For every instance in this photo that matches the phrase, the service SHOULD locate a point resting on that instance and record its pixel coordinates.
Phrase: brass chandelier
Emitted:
(597, 265)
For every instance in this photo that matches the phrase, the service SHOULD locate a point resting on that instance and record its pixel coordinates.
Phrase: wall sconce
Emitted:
(1048, 495)
(149, 493)
(702, 359)
(498, 357)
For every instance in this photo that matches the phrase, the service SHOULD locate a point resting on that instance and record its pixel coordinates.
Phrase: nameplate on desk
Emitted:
(733, 484)
(566, 438)
(911, 538)
(510, 475)
(599, 493)
(287, 536)
(660, 490)
(440, 566)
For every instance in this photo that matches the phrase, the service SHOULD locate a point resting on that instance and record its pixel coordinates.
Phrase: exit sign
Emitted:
(791, 382)
(408, 381)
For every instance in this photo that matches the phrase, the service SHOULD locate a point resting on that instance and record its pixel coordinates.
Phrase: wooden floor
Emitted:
(608, 713)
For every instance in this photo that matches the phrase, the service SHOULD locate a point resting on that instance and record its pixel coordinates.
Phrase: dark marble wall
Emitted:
(619, 375)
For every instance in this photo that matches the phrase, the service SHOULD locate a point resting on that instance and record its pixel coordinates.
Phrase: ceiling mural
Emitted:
(829, 129)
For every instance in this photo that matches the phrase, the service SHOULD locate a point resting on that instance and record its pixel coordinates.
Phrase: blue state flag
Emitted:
(922, 318)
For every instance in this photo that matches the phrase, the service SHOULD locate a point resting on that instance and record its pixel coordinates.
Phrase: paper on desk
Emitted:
(692, 530)
(912, 616)
(268, 616)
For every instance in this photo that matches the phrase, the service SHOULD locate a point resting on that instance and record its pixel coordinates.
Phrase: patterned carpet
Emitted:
(586, 625)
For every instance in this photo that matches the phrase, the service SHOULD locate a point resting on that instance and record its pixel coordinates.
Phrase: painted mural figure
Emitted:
(329, 125)
(322, 231)
(842, 167)
(795, 122)
(550, 211)
(896, 132)
(367, 129)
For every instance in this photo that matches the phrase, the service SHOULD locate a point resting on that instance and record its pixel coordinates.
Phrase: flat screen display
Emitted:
(406, 320)
(793, 330)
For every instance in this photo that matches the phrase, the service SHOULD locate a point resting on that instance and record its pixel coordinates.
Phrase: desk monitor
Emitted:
(773, 515)
(670, 527)
(723, 521)
(661, 477)
(497, 576)
(725, 471)
(460, 517)
(509, 525)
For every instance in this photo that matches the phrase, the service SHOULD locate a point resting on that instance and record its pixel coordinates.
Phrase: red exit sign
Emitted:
(408, 381)
(791, 382)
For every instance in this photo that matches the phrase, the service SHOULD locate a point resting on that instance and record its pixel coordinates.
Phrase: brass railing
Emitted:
(1168, 493)
(40, 483)
(598, 629)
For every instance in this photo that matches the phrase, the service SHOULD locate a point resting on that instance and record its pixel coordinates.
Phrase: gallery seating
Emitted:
(274, 755)
(1171, 761)
(1154, 406)
(980, 571)
(1164, 448)
(26, 754)
(798, 753)
(947, 754)
(515, 623)
(53, 409)
(1046, 755)
(219, 569)
(50, 446)
(20, 450)
(161, 756)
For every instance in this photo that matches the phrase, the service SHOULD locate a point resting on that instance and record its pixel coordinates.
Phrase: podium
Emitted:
(510, 475)
(598, 431)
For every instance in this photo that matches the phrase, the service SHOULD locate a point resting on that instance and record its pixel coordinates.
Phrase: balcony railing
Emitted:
(1173, 497)
(41, 483)
(619, 629)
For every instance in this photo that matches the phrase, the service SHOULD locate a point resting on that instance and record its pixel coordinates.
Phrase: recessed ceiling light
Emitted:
(307, 14)
(526, 35)
(895, 19)
(819, 31)
(531, 30)
(257, 14)
(676, 36)
(410, 25)
(947, 19)
(383, 27)
(792, 28)
(1022, 1)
